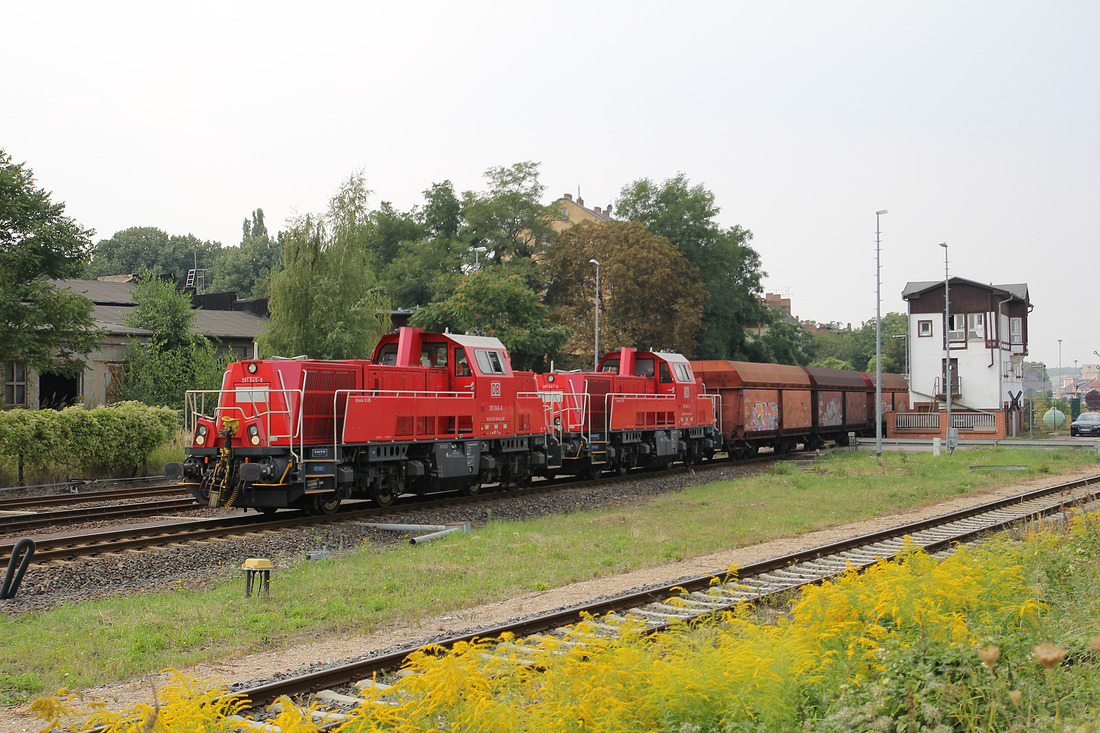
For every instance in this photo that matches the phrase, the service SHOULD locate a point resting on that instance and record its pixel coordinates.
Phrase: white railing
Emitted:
(340, 433)
(917, 421)
(974, 421)
(195, 407)
(931, 421)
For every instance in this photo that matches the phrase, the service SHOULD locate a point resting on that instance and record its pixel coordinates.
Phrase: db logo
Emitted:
(687, 392)
(494, 389)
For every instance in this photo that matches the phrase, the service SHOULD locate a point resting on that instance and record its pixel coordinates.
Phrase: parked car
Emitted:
(1087, 424)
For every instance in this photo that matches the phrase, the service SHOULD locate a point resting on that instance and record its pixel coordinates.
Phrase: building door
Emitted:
(954, 376)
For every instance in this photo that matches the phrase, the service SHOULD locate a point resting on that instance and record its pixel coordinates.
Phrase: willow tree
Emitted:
(325, 302)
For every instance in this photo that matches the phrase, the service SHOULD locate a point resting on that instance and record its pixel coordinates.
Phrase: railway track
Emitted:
(23, 521)
(64, 547)
(657, 609)
(22, 503)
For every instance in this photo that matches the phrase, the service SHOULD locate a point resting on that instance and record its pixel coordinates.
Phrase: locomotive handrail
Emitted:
(612, 397)
(195, 408)
(341, 432)
(547, 409)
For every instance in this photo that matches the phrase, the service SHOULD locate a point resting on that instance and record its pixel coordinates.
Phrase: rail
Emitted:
(195, 407)
(340, 423)
(931, 421)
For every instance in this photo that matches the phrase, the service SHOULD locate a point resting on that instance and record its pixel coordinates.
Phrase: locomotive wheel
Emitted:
(325, 504)
(383, 496)
(472, 489)
(267, 511)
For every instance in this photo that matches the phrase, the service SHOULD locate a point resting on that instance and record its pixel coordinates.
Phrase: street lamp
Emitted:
(947, 341)
(1061, 377)
(596, 355)
(477, 259)
(878, 335)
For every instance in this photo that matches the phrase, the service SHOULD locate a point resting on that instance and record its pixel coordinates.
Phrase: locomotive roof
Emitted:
(472, 342)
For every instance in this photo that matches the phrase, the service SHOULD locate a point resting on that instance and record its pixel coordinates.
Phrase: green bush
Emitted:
(113, 440)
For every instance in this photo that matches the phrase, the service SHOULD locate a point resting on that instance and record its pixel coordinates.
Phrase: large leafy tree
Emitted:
(685, 215)
(174, 359)
(246, 270)
(41, 324)
(650, 295)
(325, 303)
(509, 219)
(492, 303)
(148, 249)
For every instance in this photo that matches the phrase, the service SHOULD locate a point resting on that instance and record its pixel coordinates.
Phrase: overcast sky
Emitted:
(974, 123)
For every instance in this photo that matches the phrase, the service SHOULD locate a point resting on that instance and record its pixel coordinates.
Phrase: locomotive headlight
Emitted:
(252, 367)
(253, 435)
(200, 437)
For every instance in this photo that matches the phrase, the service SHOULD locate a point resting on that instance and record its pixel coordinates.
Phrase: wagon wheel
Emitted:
(383, 496)
(325, 504)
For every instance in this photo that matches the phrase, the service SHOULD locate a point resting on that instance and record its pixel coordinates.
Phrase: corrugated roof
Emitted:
(99, 291)
(215, 324)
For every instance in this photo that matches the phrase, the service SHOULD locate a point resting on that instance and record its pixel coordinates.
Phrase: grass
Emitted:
(102, 641)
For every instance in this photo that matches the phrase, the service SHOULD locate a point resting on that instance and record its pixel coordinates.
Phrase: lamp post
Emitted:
(596, 355)
(878, 334)
(477, 259)
(1061, 377)
(947, 341)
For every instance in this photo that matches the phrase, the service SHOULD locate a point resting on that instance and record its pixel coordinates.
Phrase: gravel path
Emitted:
(201, 566)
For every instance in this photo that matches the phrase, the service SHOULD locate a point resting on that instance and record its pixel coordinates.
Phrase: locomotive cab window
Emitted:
(388, 355)
(489, 362)
(666, 375)
(683, 373)
(434, 356)
(643, 367)
(610, 365)
(462, 367)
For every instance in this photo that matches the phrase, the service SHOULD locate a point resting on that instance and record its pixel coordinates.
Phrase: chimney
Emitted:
(580, 201)
(598, 211)
(568, 197)
(608, 211)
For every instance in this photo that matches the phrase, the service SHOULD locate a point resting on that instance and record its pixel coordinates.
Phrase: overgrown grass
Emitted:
(1000, 638)
(97, 642)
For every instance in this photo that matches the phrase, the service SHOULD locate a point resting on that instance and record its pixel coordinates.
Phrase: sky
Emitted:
(973, 123)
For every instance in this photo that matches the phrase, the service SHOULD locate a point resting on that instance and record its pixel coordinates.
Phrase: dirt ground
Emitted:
(330, 650)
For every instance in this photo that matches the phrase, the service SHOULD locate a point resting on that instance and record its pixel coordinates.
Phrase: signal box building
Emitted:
(986, 342)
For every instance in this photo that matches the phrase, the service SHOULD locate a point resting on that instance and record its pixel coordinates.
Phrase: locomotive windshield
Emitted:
(489, 362)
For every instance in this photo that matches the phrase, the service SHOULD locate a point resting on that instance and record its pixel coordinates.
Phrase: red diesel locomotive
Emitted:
(433, 412)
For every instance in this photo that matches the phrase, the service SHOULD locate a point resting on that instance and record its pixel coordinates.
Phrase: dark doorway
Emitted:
(56, 391)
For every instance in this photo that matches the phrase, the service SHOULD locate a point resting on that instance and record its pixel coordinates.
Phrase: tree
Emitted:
(41, 324)
(148, 249)
(246, 270)
(324, 303)
(857, 347)
(492, 303)
(175, 358)
(685, 215)
(650, 295)
(508, 220)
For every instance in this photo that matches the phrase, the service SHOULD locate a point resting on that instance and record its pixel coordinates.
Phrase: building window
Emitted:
(958, 327)
(15, 384)
(1016, 328)
(924, 328)
(975, 326)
